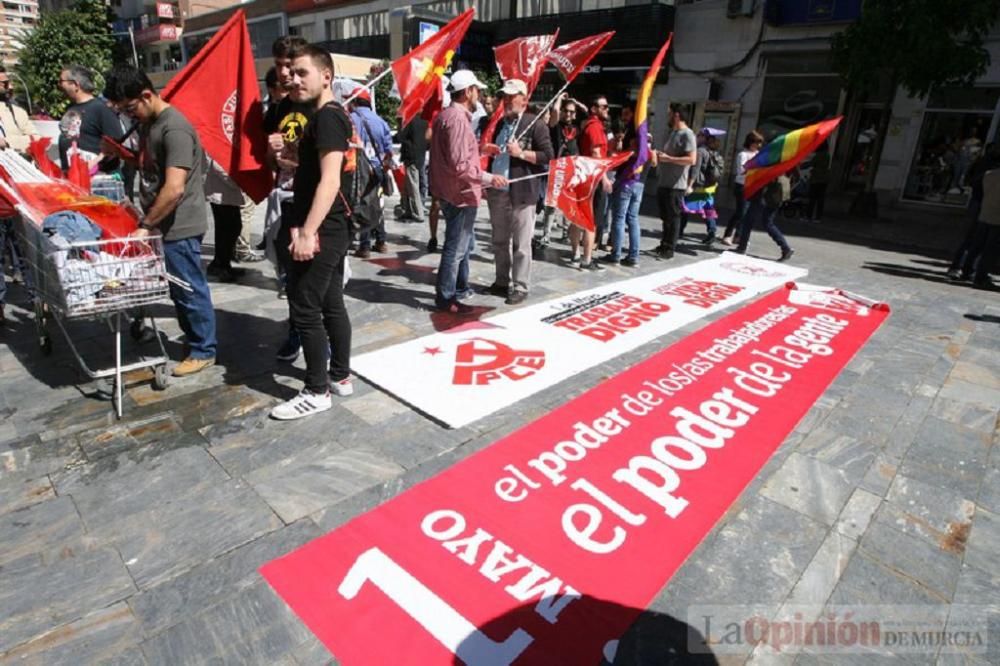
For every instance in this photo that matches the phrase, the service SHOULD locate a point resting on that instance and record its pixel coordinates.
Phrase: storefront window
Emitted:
(957, 126)
(799, 89)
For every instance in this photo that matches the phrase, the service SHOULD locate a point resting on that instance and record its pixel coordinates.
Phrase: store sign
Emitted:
(427, 30)
(165, 10)
(158, 33)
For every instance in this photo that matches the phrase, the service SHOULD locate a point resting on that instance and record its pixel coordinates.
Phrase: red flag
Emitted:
(572, 181)
(418, 73)
(79, 172)
(217, 91)
(522, 58)
(571, 58)
(37, 149)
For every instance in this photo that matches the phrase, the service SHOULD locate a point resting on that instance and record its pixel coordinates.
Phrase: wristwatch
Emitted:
(147, 227)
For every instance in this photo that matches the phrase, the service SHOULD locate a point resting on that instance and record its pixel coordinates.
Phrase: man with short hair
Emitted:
(171, 190)
(16, 132)
(679, 154)
(517, 153)
(376, 139)
(593, 143)
(285, 122)
(457, 179)
(320, 232)
(564, 135)
(275, 91)
(95, 118)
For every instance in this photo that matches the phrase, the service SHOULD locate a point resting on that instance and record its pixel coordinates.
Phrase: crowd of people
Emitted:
(318, 148)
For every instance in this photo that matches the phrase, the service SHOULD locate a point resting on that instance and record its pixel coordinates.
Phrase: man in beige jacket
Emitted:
(16, 131)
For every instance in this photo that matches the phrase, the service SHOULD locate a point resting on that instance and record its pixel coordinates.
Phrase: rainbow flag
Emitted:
(784, 153)
(630, 171)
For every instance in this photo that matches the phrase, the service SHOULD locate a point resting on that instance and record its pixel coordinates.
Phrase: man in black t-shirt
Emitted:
(87, 119)
(285, 122)
(320, 236)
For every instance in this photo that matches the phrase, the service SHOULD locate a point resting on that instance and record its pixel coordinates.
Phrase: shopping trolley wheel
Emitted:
(160, 380)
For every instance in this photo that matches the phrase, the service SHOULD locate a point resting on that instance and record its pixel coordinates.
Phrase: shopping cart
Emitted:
(108, 280)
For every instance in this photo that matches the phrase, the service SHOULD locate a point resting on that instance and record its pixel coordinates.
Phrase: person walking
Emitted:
(172, 192)
(703, 183)
(988, 247)
(457, 180)
(968, 256)
(320, 232)
(751, 146)
(764, 205)
(679, 154)
(819, 177)
(512, 208)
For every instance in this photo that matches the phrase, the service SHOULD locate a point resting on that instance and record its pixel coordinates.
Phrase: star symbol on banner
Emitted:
(433, 351)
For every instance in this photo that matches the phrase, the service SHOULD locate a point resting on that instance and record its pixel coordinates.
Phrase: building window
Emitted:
(362, 25)
(957, 125)
(263, 34)
(305, 31)
(799, 89)
(154, 59)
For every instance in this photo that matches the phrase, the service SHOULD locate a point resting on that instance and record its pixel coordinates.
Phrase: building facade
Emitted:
(17, 19)
(765, 64)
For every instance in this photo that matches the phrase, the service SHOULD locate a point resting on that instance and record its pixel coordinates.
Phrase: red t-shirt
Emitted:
(593, 136)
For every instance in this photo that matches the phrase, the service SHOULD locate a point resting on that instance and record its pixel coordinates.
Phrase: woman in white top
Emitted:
(751, 145)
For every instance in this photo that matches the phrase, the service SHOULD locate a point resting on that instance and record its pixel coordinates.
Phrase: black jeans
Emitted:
(600, 214)
(671, 205)
(742, 206)
(228, 225)
(316, 302)
(817, 200)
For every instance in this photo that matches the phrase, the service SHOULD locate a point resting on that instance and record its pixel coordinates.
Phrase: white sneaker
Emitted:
(342, 388)
(306, 403)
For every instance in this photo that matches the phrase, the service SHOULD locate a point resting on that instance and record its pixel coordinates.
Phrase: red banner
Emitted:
(572, 181)
(571, 58)
(418, 73)
(217, 92)
(544, 547)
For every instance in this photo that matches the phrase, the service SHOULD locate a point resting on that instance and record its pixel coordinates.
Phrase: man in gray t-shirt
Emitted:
(172, 193)
(680, 152)
(171, 142)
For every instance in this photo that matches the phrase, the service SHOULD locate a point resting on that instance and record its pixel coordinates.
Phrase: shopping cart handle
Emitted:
(186, 286)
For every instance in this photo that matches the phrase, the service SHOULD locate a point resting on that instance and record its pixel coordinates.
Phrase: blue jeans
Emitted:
(459, 239)
(626, 202)
(767, 215)
(195, 313)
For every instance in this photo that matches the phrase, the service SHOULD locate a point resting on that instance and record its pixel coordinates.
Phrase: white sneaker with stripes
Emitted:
(306, 403)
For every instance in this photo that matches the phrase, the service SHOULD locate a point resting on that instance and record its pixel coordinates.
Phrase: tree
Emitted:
(80, 35)
(916, 45)
(385, 103)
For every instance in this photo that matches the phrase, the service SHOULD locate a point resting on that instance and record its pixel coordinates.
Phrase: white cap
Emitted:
(514, 87)
(464, 78)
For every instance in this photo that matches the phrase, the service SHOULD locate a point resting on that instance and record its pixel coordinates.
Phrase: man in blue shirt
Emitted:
(376, 137)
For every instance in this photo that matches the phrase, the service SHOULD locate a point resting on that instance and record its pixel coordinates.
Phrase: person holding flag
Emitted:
(626, 198)
(593, 142)
(512, 208)
(457, 180)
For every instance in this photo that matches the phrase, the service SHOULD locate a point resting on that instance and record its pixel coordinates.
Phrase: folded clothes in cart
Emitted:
(71, 227)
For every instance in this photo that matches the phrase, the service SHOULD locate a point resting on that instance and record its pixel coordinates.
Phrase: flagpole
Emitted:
(368, 86)
(542, 112)
(513, 180)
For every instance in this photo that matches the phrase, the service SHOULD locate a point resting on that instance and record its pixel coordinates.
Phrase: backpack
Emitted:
(712, 169)
(361, 197)
(777, 192)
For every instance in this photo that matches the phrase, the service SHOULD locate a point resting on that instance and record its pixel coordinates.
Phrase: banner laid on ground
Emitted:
(544, 547)
(461, 376)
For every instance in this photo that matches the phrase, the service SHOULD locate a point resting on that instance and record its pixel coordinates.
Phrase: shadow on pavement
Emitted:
(653, 639)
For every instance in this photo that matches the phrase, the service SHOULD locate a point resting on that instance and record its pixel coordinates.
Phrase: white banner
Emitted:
(462, 375)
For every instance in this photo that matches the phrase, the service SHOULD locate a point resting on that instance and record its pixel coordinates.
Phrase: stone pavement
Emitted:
(137, 542)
